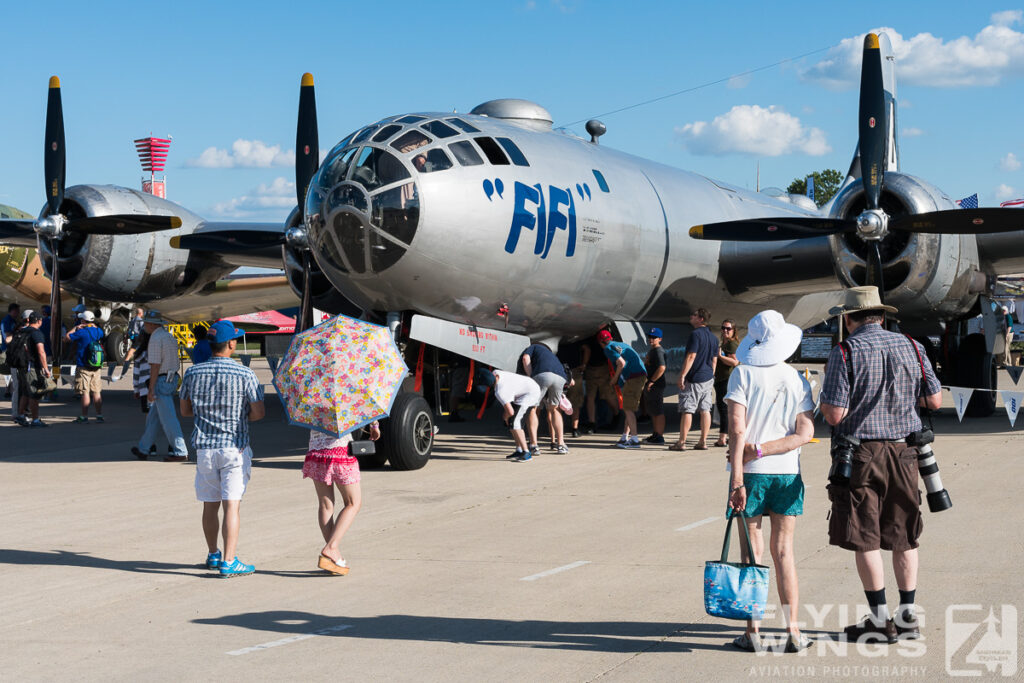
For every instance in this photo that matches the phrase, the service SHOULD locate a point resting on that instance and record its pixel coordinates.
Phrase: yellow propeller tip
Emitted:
(54, 82)
(697, 232)
(307, 79)
(871, 41)
(176, 242)
(175, 222)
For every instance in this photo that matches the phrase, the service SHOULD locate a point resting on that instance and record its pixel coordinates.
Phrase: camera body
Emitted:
(938, 497)
(842, 459)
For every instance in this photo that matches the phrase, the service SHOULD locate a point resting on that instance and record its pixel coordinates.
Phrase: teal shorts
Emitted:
(782, 494)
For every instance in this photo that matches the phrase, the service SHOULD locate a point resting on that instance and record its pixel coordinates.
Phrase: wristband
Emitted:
(741, 486)
(760, 453)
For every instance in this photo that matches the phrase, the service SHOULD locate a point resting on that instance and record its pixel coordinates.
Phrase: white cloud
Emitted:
(754, 130)
(1008, 18)
(994, 54)
(243, 154)
(272, 199)
(1009, 162)
(911, 132)
(1004, 192)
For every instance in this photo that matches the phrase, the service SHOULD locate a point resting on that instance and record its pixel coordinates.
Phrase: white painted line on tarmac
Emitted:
(697, 524)
(556, 570)
(290, 639)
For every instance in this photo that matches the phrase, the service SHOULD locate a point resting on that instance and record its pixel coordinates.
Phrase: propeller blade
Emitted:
(874, 264)
(17, 232)
(53, 155)
(873, 128)
(238, 241)
(307, 145)
(56, 315)
(772, 229)
(961, 221)
(126, 224)
(306, 308)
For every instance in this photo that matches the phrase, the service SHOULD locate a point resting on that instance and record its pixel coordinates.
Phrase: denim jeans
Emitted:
(162, 415)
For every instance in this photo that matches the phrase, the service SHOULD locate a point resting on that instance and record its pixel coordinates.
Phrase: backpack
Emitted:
(94, 354)
(17, 350)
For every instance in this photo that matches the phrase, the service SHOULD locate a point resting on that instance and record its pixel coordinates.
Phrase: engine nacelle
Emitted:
(127, 268)
(926, 276)
(325, 296)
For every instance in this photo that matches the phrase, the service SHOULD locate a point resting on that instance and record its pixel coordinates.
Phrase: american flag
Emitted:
(1013, 204)
(968, 202)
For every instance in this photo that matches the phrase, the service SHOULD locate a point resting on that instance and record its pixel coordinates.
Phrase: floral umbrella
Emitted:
(340, 375)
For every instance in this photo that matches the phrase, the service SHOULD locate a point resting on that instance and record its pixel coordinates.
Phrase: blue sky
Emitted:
(223, 78)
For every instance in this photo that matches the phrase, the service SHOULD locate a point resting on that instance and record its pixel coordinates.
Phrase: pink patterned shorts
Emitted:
(331, 466)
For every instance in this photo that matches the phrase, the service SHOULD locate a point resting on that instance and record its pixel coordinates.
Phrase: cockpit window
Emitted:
(601, 182)
(439, 129)
(517, 157)
(386, 132)
(376, 168)
(412, 118)
(465, 153)
(468, 127)
(365, 133)
(410, 141)
(432, 160)
(335, 168)
(493, 151)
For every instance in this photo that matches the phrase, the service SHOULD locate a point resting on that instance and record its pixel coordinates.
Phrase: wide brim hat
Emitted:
(861, 299)
(770, 340)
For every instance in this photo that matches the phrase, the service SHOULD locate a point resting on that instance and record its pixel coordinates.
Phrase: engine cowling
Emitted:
(926, 276)
(325, 296)
(127, 268)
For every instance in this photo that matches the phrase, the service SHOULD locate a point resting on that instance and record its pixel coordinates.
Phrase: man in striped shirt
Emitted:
(223, 396)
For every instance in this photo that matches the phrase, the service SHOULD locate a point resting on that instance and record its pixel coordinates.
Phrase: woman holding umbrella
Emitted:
(329, 464)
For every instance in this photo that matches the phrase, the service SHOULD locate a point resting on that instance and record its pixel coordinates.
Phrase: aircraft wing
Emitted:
(238, 244)
(16, 227)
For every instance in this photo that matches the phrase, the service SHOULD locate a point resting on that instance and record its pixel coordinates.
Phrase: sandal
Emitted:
(719, 444)
(797, 642)
(677, 447)
(339, 568)
(700, 447)
(748, 642)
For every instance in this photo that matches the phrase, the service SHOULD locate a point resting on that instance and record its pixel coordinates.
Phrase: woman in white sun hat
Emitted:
(770, 418)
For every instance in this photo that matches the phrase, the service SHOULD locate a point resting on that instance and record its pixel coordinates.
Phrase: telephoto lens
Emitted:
(938, 497)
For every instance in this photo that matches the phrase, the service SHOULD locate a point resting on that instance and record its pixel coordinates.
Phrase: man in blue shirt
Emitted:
(223, 396)
(631, 375)
(87, 374)
(697, 380)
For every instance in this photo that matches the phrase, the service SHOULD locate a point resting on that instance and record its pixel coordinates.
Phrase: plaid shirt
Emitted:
(221, 391)
(886, 384)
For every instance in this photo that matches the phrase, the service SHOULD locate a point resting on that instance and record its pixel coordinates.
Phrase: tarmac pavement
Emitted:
(568, 567)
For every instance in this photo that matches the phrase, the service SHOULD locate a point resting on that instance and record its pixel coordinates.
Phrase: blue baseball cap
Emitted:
(655, 332)
(222, 331)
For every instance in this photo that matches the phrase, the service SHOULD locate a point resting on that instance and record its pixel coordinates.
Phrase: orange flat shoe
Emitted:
(329, 565)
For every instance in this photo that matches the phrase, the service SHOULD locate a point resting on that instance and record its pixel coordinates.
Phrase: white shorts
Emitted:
(222, 473)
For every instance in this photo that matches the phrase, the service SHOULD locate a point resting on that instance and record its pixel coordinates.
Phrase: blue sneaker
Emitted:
(235, 568)
(213, 560)
(523, 456)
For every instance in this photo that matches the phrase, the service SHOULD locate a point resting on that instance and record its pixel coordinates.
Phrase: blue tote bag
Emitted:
(733, 590)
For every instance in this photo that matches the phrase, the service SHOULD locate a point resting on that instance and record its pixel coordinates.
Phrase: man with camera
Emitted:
(874, 382)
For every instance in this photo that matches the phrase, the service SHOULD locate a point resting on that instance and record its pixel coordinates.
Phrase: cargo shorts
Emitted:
(881, 507)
